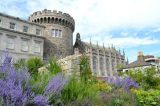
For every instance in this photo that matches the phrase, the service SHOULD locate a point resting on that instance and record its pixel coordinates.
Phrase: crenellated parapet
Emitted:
(52, 17)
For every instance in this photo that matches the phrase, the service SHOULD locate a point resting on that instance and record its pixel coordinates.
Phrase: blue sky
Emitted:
(132, 25)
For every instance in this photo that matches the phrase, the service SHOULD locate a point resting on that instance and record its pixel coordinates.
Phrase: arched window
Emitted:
(60, 20)
(102, 66)
(49, 20)
(45, 19)
(56, 20)
(94, 65)
(107, 65)
(113, 64)
(38, 20)
(63, 21)
(66, 23)
(52, 20)
(41, 20)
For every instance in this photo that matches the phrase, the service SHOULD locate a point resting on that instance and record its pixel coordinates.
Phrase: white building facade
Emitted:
(22, 39)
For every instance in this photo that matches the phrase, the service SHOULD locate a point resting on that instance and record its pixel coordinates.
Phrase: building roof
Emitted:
(138, 64)
(83, 45)
(22, 20)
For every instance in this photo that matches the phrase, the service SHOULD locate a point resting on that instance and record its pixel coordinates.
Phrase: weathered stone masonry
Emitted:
(59, 46)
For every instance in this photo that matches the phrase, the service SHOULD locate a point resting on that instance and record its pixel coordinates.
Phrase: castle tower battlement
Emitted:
(59, 28)
(52, 16)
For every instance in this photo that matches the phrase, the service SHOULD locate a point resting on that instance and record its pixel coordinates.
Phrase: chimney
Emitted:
(140, 57)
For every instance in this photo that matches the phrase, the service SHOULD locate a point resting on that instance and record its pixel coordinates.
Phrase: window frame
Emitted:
(56, 33)
(9, 43)
(22, 41)
(35, 47)
(38, 32)
(95, 63)
(12, 24)
(25, 28)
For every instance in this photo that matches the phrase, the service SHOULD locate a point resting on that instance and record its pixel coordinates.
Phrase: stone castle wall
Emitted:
(56, 46)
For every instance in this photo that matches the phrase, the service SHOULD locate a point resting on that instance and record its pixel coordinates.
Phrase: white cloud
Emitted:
(123, 42)
(94, 16)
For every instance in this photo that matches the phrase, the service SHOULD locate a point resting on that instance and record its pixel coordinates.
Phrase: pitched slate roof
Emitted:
(138, 64)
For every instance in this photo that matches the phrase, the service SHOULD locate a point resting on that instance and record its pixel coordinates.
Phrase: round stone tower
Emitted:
(58, 32)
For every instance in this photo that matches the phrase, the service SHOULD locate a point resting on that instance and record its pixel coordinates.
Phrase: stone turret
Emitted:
(140, 57)
(58, 32)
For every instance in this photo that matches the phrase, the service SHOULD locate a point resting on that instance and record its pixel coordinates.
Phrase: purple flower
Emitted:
(119, 82)
(128, 83)
(13, 85)
(40, 101)
(56, 84)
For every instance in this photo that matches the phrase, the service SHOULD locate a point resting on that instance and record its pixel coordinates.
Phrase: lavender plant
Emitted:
(126, 82)
(11, 82)
(40, 100)
(54, 88)
(56, 84)
(15, 89)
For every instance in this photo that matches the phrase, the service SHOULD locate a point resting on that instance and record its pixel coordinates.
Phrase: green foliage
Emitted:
(78, 90)
(85, 70)
(87, 89)
(54, 67)
(149, 94)
(147, 98)
(42, 79)
(33, 64)
(20, 64)
(118, 97)
(147, 78)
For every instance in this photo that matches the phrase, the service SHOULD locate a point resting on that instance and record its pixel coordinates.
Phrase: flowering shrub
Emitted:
(40, 100)
(15, 89)
(126, 82)
(56, 84)
(18, 88)
(54, 88)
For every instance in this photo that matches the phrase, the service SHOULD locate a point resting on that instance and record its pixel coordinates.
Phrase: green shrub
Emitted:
(33, 64)
(85, 70)
(147, 78)
(147, 98)
(119, 97)
(42, 79)
(78, 91)
(54, 67)
(20, 64)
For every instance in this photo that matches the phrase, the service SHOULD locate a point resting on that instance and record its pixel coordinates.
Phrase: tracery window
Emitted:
(102, 66)
(94, 65)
